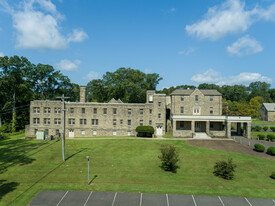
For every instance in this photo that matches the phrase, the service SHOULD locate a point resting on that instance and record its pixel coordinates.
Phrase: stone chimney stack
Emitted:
(83, 94)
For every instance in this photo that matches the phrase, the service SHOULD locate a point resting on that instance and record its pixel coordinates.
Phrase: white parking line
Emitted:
(114, 199)
(221, 200)
(62, 198)
(167, 199)
(140, 202)
(88, 198)
(194, 201)
(248, 201)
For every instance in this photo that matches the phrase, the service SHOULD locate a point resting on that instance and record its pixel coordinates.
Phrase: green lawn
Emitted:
(257, 121)
(124, 166)
(255, 134)
(99, 137)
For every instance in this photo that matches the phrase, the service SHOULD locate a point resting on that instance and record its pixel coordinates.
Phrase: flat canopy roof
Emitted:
(212, 118)
(188, 92)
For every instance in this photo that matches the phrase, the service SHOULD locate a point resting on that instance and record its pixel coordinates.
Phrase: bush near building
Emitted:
(259, 147)
(272, 128)
(258, 128)
(224, 169)
(145, 131)
(261, 136)
(271, 137)
(271, 151)
(265, 128)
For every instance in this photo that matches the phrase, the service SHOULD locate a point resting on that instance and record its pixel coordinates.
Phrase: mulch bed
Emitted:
(229, 146)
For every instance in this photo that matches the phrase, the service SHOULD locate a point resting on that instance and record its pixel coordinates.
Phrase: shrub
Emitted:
(145, 131)
(271, 137)
(272, 128)
(224, 169)
(261, 136)
(272, 175)
(265, 128)
(271, 151)
(169, 158)
(259, 147)
(252, 128)
(258, 128)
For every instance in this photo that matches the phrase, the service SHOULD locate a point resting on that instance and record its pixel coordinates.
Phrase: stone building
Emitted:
(184, 113)
(267, 112)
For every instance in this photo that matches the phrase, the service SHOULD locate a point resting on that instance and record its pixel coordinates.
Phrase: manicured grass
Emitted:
(167, 135)
(257, 121)
(255, 134)
(115, 137)
(124, 166)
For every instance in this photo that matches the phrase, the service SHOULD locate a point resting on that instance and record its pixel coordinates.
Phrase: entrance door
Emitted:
(197, 126)
(159, 130)
(71, 133)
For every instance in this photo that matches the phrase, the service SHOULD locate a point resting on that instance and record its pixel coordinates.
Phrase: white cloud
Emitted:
(186, 52)
(1, 54)
(245, 46)
(93, 75)
(214, 77)
(229, 18)
(37, 26)
(68, 65)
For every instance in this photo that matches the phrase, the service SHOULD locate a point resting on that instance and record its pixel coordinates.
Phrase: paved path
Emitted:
(251, 142)
(79, 198)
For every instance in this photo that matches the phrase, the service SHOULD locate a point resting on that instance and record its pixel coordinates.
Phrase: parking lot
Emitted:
(85, 198)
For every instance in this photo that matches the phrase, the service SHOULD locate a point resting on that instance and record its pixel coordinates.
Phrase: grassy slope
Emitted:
(125, 166)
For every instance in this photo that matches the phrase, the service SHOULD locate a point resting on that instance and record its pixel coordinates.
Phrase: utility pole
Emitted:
(63, 125)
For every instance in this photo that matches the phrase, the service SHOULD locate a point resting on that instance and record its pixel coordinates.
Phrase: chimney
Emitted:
(83, 94)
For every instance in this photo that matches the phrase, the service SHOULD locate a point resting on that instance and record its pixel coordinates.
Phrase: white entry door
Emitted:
(71, 133)
(159, 130)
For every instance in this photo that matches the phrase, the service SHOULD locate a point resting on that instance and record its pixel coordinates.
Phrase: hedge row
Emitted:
(269, 137)
(271, 151)
(265, 128)
(259, 147)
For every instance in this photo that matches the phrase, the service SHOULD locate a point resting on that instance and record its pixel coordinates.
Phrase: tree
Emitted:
(272, 94)
(254, 105)
(169, 158)
(209, 86)
(224, 169)
(238, 93)
(259, 89)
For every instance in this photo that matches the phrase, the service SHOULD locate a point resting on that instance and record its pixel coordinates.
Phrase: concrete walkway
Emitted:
(91, 198)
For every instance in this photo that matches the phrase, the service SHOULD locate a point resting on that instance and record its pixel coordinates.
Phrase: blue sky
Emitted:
(186, 42)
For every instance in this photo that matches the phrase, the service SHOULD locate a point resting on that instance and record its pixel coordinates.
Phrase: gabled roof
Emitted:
(270, 107)
(188, 92)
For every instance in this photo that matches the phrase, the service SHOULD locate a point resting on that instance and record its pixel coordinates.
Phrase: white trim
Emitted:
(212, 118)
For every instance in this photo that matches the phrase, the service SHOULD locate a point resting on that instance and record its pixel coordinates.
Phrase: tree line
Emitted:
(22, 81)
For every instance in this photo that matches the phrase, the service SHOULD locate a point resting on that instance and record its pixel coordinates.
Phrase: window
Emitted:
(47, 121)
(95, 110)
(159, 104)
(129, 111)
(211, 110)
(141, 112)
(114, 110)
(82, 131)
(83, 110)
(141, 122)
(57, 120)
(181, 125)
(150, 98)
(211, 98)
(71, 121)
(94, 121)
(94, 132)
(181, 110)
(57, 132)
(150, 111)
(196, 110)
(71, 110)
(57, 110)
(182, 98)
(211, 125)
(104, 110)
(36, 110)
(197, 98)
(83, 121)
(150, 122)
(35, 131)
(36, 120)
(129, 122)
(121, 122)
(47, 110)
(114, 122)
(159, 115)
(46, 132)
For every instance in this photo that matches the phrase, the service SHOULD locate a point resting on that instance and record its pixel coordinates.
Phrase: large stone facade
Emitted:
(184, 113)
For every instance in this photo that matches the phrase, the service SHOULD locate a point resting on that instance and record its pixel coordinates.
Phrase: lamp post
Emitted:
(88, 158)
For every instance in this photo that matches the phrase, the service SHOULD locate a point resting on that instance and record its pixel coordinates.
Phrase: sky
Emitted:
(186, 42)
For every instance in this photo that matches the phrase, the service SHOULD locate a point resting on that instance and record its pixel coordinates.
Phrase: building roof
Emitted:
(188, 92)
(270, 107)
(115, 101)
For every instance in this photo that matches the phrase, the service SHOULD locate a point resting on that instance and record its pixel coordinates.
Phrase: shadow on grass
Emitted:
(76, 153)
(93, 179)
(6, 187)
